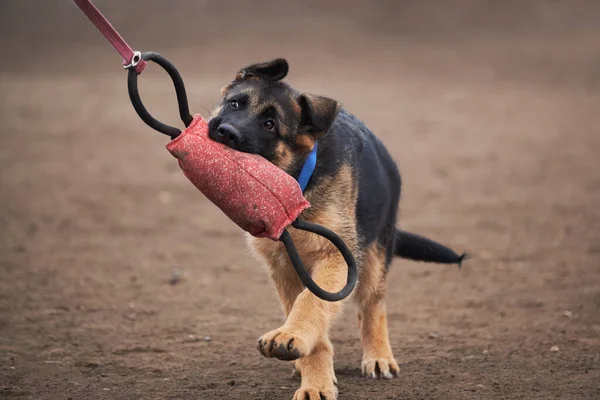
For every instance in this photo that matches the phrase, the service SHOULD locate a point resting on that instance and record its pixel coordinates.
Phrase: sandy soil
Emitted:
(494, 124)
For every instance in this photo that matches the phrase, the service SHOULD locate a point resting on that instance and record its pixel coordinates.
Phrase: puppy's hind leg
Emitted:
(378, 360)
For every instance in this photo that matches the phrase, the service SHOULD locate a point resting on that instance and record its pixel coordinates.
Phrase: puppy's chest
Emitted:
(310, 247)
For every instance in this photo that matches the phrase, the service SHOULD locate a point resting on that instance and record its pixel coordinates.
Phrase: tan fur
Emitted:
(370, 296)
(305, 142)
(225, 89)
(371, 286)
(284, 156)
(318, 376)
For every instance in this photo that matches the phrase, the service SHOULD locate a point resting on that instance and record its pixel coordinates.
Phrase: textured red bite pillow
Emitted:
(258, 196)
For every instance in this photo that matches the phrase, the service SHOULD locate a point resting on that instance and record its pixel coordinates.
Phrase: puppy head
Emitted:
(262, 115)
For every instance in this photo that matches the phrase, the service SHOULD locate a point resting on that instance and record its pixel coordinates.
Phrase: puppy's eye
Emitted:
(234, 104)
(270, 125)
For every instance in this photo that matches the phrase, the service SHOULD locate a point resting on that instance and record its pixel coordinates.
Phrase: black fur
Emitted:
(419, 248)
(274, 70)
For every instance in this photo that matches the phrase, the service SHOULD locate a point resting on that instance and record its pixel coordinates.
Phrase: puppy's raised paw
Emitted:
(282, 344)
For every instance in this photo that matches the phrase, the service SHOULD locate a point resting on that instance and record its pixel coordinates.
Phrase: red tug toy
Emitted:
(252, 192)
(255, 194)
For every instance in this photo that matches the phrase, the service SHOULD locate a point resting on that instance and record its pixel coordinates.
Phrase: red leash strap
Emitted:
(131, 59)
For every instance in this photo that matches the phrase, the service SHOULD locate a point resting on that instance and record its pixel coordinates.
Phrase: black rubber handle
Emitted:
(304, 276)
(134, 96)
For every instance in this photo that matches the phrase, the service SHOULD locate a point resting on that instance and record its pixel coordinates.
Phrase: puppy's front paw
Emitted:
(310, 393)
(282, 344)
(378, 368)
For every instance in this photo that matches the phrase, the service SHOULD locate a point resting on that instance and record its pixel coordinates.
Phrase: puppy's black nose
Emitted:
(229, 133)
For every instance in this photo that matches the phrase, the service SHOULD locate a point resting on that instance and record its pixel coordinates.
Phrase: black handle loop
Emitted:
(304, 276)
(134, 96)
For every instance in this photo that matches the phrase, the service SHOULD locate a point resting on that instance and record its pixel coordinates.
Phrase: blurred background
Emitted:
(119, 280)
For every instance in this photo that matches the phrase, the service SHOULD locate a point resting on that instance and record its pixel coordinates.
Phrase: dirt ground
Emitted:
(492, 113)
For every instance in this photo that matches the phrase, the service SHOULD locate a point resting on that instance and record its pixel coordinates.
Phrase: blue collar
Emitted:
(308, 168)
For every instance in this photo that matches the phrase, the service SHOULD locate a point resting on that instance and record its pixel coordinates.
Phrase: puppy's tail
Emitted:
(419, 248)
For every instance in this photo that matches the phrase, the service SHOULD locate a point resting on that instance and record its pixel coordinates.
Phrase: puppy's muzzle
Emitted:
(228, 135)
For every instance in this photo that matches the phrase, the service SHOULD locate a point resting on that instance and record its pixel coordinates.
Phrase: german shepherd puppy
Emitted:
(354, 191)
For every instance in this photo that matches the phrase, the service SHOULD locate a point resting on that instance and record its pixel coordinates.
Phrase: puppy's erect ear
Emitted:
(274, 70)
(316, 114)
